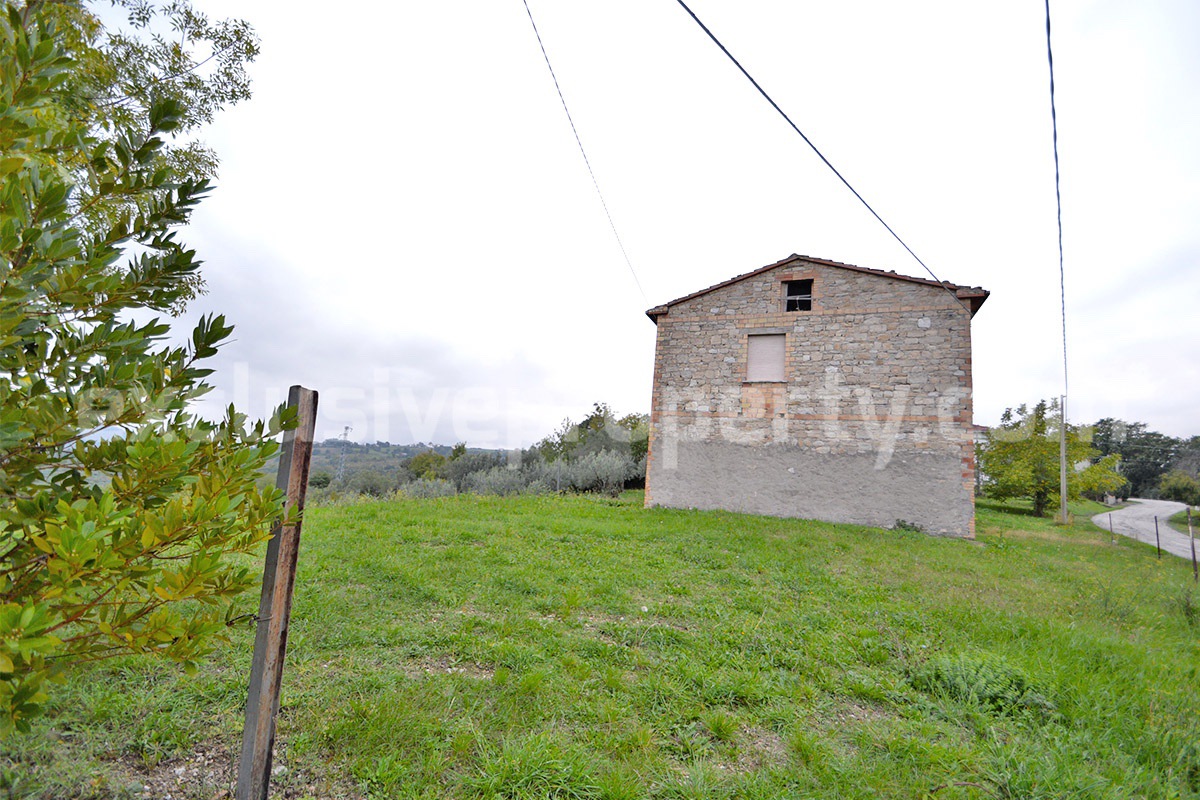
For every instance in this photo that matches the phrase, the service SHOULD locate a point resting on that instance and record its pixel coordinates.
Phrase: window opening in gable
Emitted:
(765, 357)
(797, 295)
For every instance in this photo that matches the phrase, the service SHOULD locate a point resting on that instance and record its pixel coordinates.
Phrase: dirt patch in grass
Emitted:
(760, 748)
(425, 667)
(209, 772)
(868, 712)
(472, 611)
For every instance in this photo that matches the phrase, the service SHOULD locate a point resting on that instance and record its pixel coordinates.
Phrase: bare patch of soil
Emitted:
(209, 772)
(443, 665)
(760, 748)
(857, 712)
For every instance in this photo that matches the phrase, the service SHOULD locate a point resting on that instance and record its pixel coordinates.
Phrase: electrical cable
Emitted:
(583, 152)
(820, 155)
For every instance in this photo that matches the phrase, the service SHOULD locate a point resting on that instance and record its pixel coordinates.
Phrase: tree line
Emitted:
(1020, 458)
(602, 453)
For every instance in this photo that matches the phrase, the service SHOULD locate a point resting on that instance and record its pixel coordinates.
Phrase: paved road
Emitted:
(1137, 522)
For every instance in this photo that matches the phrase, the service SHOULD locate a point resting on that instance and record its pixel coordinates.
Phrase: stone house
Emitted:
(814, 389)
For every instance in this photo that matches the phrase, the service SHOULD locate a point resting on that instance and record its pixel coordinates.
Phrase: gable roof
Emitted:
(972, 295)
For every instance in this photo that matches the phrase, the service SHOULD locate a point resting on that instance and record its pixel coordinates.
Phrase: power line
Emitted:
(583, 152)
(821, 156)
(1062, 281)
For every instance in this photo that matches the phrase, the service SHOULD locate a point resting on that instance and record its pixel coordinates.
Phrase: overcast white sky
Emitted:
(403, 220)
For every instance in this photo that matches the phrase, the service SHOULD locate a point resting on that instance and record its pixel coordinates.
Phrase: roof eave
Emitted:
(975, 298)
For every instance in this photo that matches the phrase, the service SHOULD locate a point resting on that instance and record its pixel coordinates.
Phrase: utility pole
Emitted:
(341, 468)
(1062, 458)
(1062, 285)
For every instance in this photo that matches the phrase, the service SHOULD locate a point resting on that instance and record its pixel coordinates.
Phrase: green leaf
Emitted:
(89, 519)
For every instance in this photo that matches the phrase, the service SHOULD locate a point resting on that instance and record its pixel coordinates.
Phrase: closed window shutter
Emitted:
(765, 360)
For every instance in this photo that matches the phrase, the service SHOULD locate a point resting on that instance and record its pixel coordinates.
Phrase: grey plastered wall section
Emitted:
(871, 425)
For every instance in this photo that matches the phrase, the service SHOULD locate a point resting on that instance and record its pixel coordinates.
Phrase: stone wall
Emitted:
(872, 423)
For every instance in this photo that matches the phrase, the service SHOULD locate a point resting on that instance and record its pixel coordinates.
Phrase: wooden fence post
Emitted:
(275, 604)
(1192, 539)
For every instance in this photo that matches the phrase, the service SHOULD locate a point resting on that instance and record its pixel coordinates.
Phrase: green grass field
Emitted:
(1179, 521)
(575, 647)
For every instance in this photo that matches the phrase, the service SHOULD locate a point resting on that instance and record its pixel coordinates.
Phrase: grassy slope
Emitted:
(487, 647)
(1179, 521)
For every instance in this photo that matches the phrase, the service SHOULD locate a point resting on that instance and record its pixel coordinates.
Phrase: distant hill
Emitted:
(384, 458)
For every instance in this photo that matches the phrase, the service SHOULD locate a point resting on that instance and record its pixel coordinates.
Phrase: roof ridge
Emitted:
(960, 290)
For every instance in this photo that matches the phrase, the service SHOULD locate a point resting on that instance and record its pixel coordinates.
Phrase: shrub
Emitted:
(498, 480)
(1185, 602)
(605, 471)
(600, 431)
(427, 465)
(369, 483)
(1181, 487)
(424, 488)
(982, 678)
(462, 470)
